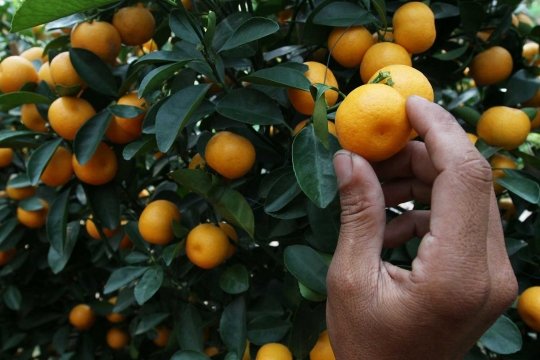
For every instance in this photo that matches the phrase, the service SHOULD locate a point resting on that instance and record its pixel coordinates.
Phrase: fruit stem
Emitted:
(383, 75)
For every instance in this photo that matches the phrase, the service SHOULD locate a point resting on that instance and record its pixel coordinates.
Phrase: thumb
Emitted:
(363, 215)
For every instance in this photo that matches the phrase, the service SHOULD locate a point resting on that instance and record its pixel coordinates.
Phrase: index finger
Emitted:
(460, 196)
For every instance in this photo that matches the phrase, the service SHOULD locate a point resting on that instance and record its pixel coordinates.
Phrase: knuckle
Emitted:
(475, 170)
(357, 211)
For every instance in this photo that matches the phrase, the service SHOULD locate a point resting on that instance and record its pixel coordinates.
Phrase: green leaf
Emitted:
(325, 225)
(189, 355)
(250, 30)
(125, 111)
(58, 259)
(309, 294)
(89, 136)
(526, 189)
(66, 22)
(314, 167)
(156, 77)
(93, 71)
(173, 250)
(251, 107)
(267, 329)
(344, 14)
(527, 158)
(150, 321)
(284, 190)
(380, 7)
(181, 27)
(56, 224)
(307, 266)
(472, 17)
(304, 332)
(13, 341)
(125, 298)
(190, 334)
(235, 279)
(35, 12)
(148, 285)
(467, 114)
(132, 231)
(503, 337)
(68, 90)
(123, 277)
(138, 147)
(31, 204)
(233, 326)
(484, 149)
(105, 204)
(57, 43)
(175, 113)
(280, 76)
(210, 30)
(40, 158)
(444, 10)
(521, 87)
(452, 54)
(164, 57)
(13, 298)
(320, 121)
(531, 112)
(226, 27)
(513, 245)
(14, 99)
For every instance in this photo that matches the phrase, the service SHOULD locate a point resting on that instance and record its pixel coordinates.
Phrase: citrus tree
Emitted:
(167, 168)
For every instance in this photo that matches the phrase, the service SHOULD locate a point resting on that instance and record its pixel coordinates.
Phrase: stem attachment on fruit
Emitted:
(383, 76)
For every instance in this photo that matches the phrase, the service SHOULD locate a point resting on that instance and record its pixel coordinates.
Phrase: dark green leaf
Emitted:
(105, 204)
(132, 231)
(270, 179)
(58, 43)
(138, 147)
(304, 332)
(56, 224)
(148, 285)
(503, 337)
(521, 87)
(524, 188)
(58, 259)
(344, 14)
(65, 22)
(125, 111)
(280, 76)
(251, 107)
(443, 10)
(122, 277)
(484, 149)
(284, 190)
(13, 341)
(93, 71)
(189, 355)
(250, 30)
(157, 57)
(136, 257)
(14, 99)
(267, 329)
(89, 136)
(531, 112)
(40, 158)
(31, 204)
(182, 27)
(210, 30)
(190, 334)
(325, 225)
(472, 17)
(307, 266)
(150, 321)
(226, 27)
(380, 7)
(467, 114)
(233, 325)
(13, 298)
(235, 279)
(125, 298)
(173, 250)
(452, 54)
(320, 121)
(513, 245)
(309, 294)
(156, 77)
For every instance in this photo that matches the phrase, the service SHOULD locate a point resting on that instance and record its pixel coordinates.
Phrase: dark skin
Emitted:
(461, 280)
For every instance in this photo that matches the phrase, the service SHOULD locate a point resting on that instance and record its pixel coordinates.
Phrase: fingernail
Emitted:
(343, 163)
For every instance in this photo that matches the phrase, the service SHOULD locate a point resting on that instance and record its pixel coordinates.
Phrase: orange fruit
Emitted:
(525, 19)
(34, 53)
(163, 334)
(386, 36)
(274, 351)
(317, 73)
(207, 246)
(535, 123)
(63, 73)
(125, 243)
(92, 230)
(135, 25)
(229, 154)
(117, 339)
(33, 219)
(196, 161)
(123, 130)
(44, 74)
(302, 124)
(113, 317)
(407, 81)
(68, 114)
(322, 349)
(155, 222)
(215, 88)
(247, 355)
(372, 122)
(348, 45)
(99, 37)
(491, 66)
(501, 126)
(187, 4)
(515, 20)
(499, 161)
(6, 256)
(484, 35)
(381, 55)
(473, 138)
(530, 49)
(32, 119)
(211, 351)
(20, 193)
(15, 71)
(6, 157)
(82, 317)
(534, 101)
(509, 210)
(414, 27)
(59, 170)
(232, 235)
(147, 47)
(100, 169)
(528, 307)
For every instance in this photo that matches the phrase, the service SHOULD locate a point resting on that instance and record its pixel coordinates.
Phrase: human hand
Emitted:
(461, 280)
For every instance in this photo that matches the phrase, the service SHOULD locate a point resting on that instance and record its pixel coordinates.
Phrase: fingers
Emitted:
(362, 213)
(399, 191)
(408, 225)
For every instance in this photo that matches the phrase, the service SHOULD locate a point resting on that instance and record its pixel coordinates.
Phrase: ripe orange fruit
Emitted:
(147, 47)
(196, 161)
(535, 124)
(504, 127)
(232, 235)
(407, 81)
(100, 169)
(99, 37)
(229, 154)
(82, 317)
(530, 49)
(348, 45)
(247, 355)
(317, 74)
(534, 101)
(123, 130)
(117, 339)
(44, 74)
(113, 317)
(473, 138)
(274, 351)
(6, 256)
(302, 124)
(491, 66)
(20, 193)
(6, 157)
(207, 246)
(68, 114)
(381, 55)
(63, 73)
(211, 351)
(323, 349)
(32, 119)
(155, 222)
(499, 161)
(372, 122)
(414, 27)
(134, 24)
(509, 210)
(528, 307)
(33, 219)
(59, 170)
(92, 230)
(163, 334)
(15, 71)
(34, 53)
